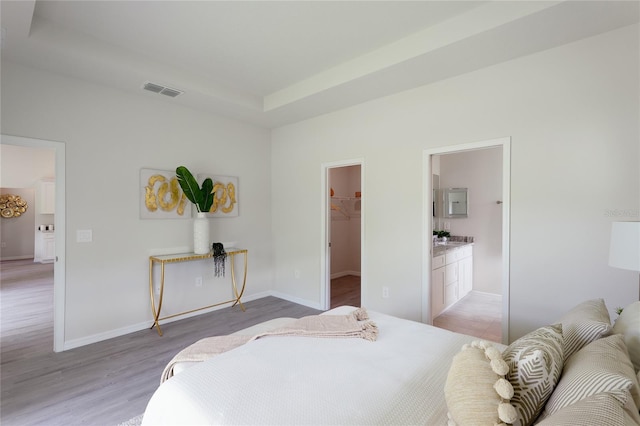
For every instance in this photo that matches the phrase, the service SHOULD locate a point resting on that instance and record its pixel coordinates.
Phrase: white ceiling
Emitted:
(277, 62)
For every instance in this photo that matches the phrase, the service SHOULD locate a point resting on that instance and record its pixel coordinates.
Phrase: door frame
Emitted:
(59, 266)
(505, 144)
(325, 231)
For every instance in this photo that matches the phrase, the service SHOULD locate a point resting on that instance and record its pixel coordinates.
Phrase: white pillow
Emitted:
(628, 324)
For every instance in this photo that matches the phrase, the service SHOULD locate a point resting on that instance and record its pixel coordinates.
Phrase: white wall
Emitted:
(480, 171)
(572, 113)
(109, 136)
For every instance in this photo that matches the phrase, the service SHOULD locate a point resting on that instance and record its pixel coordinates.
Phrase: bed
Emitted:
(399, 378)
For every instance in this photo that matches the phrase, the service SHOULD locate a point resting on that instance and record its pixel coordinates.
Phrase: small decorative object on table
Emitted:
(219, 258)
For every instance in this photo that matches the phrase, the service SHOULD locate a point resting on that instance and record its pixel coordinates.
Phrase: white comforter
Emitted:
(398, 379)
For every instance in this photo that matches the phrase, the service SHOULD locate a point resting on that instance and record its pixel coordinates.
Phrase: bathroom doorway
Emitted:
(342, 258)
(483, 169)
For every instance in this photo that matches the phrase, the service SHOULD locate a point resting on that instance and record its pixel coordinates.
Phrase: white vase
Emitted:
(201, 244)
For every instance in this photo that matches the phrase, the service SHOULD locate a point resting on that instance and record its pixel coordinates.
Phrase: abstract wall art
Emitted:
(225, 195)
(161, 196)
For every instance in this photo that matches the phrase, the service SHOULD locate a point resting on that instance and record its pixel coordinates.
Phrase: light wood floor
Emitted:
(100, 384)
(477, 314)
(345, 291)
(111, 381)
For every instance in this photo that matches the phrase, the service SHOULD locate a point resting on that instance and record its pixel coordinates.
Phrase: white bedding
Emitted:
(398, 379)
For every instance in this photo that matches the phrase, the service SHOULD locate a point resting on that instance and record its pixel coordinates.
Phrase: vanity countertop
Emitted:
(442, 248)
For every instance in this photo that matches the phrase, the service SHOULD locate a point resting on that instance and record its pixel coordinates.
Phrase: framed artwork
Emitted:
(161, 196)
(225, 195)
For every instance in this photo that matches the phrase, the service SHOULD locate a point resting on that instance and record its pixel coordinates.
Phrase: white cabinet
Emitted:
(450, 284)
(451, 278)
(46, 197)
(45, 247)
(465, 271)
(437, 285)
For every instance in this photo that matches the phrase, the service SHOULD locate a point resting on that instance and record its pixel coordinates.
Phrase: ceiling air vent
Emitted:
(163, 90)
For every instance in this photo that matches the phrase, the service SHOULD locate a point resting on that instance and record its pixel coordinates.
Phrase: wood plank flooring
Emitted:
(111, 381)
(477, 314)
(100, 384)
(345, 291)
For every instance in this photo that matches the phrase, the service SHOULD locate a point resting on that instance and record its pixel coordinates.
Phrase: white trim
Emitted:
(17, 258)
(299, 301)
(325, 217)
(505, 144)
(59, 280)
(146, 325)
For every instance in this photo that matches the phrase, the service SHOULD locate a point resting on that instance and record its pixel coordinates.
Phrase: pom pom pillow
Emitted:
(476, 390)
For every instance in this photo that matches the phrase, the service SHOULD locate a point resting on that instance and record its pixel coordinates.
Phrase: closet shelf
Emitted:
(345, 207)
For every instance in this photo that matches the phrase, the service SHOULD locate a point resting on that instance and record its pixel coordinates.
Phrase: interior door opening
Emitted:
(343, 237)
(59, 226)
(482, 172)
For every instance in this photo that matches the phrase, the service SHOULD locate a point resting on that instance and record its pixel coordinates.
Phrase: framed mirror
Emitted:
(456, 202)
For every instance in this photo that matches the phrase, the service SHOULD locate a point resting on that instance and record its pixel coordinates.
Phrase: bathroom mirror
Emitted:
(456, 202)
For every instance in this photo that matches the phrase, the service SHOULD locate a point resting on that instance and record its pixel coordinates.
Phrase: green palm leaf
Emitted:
(190, 187)
(207, 194)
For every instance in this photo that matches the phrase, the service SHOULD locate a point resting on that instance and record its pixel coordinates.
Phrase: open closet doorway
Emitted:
(468, 271)
(343, 254)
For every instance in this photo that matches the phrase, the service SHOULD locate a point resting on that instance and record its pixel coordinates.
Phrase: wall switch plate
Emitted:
(296, 273)
(84, 235)
(198, 281)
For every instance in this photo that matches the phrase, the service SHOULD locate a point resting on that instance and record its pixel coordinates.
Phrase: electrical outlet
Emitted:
(447, 226)
(3, 244)
(198, 281)
(385, 292)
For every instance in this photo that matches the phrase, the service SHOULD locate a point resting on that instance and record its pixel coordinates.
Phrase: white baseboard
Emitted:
(16, 258)
(304, 302)
(95, 338)
(487, 293)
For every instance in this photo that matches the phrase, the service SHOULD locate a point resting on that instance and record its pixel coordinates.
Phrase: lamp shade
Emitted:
(624, 251)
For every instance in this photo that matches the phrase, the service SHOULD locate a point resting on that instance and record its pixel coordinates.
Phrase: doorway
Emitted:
(343, 236)
(59, 226)
(484, 168)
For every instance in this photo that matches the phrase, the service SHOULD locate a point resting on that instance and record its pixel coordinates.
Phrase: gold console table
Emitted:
(187, 257)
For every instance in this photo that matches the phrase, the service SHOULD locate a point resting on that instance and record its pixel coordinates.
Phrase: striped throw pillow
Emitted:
(602, 409)
(535, 363)
(586, 322)
(601, 366)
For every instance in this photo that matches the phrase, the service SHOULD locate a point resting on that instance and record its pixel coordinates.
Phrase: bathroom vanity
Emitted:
(451, 275)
